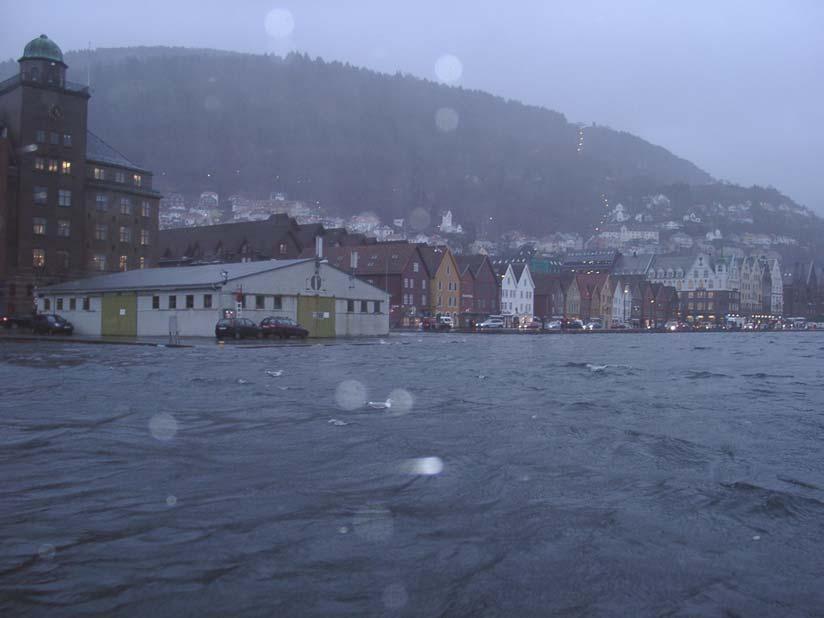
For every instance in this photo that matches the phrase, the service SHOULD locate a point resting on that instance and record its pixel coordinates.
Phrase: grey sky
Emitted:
(734, 86)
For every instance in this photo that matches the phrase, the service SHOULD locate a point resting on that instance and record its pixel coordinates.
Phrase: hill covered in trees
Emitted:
(356, 140)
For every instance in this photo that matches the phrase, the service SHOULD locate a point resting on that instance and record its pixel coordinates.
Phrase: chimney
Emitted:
(353, 260)
(318, 247)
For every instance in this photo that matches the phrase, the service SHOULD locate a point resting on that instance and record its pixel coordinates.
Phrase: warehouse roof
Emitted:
(179, 277)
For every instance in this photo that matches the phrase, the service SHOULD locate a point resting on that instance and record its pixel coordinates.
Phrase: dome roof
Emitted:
(42, 48)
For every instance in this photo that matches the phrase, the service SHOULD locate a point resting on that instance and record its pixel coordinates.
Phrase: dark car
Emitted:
(237, 328)
(15, 321)
(282, 328)
(51, 324)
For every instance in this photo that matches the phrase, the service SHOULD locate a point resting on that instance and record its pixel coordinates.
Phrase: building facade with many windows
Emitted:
(72, 205)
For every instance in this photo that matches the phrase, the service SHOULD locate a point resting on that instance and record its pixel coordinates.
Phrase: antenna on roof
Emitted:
(89, 66)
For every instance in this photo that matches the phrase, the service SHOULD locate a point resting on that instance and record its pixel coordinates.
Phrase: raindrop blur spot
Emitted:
(163, 426)
(448, 69)
(423, 466)
(171, 501)
(395, 596)
(29, 148)
(279, 23)
(343, 529)
(350, 395)
(419, 219)
(446, 119)
(401, 400)
(373, 523)
(46, 551)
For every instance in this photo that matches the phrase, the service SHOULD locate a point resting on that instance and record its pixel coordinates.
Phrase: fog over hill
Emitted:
(355, 140)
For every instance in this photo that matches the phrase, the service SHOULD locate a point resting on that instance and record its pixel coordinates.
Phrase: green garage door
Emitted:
(119, 315)
(317, 315)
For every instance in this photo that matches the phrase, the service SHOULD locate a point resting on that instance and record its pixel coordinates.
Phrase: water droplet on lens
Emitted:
(350, 395)
(446, 119)
(401, 400)
(395, 596)
(163, 426)
(279, 23)
(419, 219)
(171, 501)
(448, 68)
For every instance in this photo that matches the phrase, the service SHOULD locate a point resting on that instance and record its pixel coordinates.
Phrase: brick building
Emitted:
(72, 204)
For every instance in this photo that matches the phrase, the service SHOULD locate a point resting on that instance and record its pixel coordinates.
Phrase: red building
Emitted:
(550, 299)
(480, 290)
(589, 286)
(397, 268)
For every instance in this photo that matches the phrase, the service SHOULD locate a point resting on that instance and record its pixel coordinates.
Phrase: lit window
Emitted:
(125, 206)
(99, 173)
(145, 209)
(100, 231)
(64, 228)
(39, 163)
(125, 234)
(137, 179)
(119, 177)
(38, 258)
(67, 140)
(41, 195)
(124, 262)
(66, 167)
(38, 226)
(99, 261)
(415, 267)
(64, 197)
(282, 248)
(144, 237)
(101, 202)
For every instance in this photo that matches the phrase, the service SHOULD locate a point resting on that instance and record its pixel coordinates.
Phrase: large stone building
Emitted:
(71, 204)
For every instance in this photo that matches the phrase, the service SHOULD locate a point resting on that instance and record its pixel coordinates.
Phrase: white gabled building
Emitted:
(145, 303)
(517, 293)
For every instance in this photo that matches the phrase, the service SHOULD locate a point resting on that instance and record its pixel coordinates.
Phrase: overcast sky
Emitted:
(734, 86)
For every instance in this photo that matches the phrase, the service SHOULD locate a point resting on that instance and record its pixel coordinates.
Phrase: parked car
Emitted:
(594, 324)
(51, 324)
(492, 323)
(440, 323)
(282, 328)
(533, 325)
(572, 324)
(238, 328)
(553, 325)
(15, 321)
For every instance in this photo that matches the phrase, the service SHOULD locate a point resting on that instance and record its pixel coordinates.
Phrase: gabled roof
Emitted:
(99, 151)
(471, 263)
(376, 259)
(432, 257)
(632, 264)
(548, 283)
(179, 277)
(589, 284)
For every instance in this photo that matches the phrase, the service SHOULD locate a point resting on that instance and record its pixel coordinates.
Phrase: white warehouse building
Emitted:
(189, 300)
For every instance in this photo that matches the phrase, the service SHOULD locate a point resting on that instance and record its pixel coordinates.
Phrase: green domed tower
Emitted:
(42, 61)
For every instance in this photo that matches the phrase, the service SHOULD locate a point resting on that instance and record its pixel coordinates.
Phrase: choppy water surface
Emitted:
(518, 476)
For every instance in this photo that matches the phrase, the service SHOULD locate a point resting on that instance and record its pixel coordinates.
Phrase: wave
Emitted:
(705, 375)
